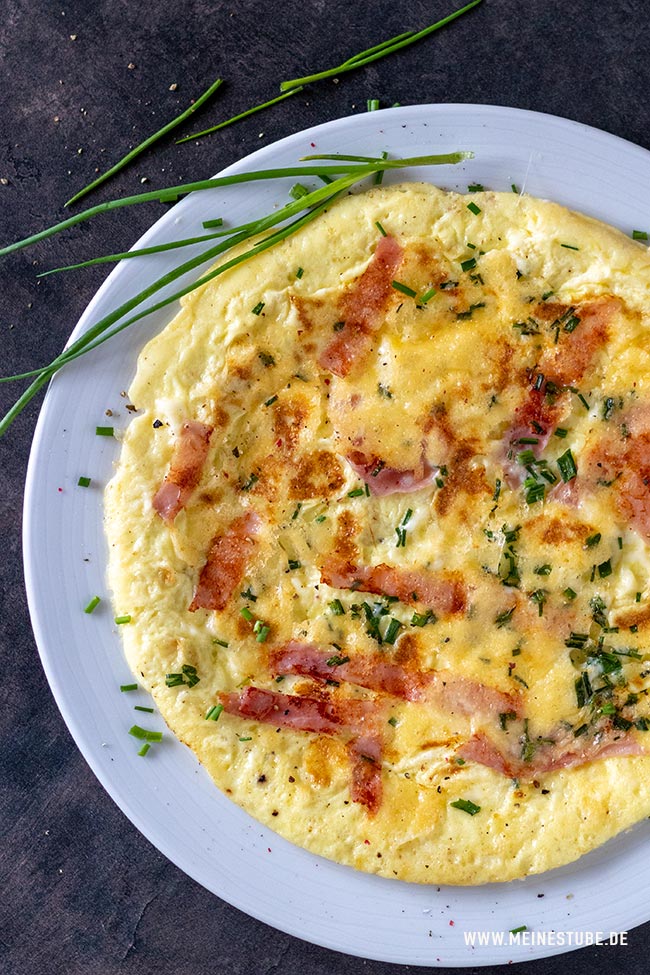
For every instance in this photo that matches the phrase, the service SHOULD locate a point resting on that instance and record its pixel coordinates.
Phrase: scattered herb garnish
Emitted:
(94, 602)
(466, 805)
(83, 482)
(144, 734)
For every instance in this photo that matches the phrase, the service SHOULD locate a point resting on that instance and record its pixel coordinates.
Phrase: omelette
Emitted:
(381, 526)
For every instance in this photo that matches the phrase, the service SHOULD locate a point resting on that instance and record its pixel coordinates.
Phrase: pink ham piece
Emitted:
(382, 480)
(188, 458)
(361, 309)
(366, 785)
(226, 563)
(608, 743)
(360, 719)
(443, 592)
(566, 362)
(375, 672)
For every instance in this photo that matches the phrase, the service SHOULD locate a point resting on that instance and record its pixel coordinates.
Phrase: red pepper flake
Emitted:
(60, 490)
(313, 145)
(269, 850)
(367, 842)
(451, 924)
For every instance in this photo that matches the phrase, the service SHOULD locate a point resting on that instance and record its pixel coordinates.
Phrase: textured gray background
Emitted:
(82, 892)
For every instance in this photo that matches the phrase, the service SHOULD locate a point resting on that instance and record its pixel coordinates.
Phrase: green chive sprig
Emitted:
(130, 156)
(236, 118)
(378, 51)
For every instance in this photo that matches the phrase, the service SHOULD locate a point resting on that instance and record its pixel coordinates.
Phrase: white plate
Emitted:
(167, 795)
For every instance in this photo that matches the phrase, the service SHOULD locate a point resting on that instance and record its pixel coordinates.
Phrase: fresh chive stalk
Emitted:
(241, 115)
(378, 51)
(130, 156)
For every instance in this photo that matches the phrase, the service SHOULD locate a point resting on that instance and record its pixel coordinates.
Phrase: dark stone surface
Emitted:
(83, 892)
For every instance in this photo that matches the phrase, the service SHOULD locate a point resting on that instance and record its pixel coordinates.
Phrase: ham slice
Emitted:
(361, 309)
(359, 719)
(443, 592)
(188, 458)
(226, 563)
(566, 362)
(606, 743)
(366, 785)
(377, 673)
(383, 480)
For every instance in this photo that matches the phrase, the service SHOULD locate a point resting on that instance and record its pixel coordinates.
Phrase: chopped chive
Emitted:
(294, 564)
(475, 188)
(380, 228)
(593, 540)
(214, 713)
(393, 721)
(139, 707)
(145, 748)
(466, 805)
(120, 620)
(561, 432)
(356, 493)
(377, 51)
(468, 265)
(534, 490)
(620, 542)
(320, 519)
(422, 619)
(220, 643)
(497, 489)
(543, 570)
(104, 431)
(246, 613)
(336, 607)
(427, 296)
(473, 208)
(567, 466)
(372, 104)
(520, 680)
(83, 482)
(299, 272)
(570, 593)
(504, 617)
(605, 569)
(144, 734)
(404, 288)
(523, 927)
(570, 247)
(270, 401)
(174, 680)
(266, 359)
(637, 598)
(297, 191)
(639, 235)
(392, 630)
(337, 661)
(257, 310)
(252, 480)
(297, 511)
(94, 602)
(128, 687)
(209, 224)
